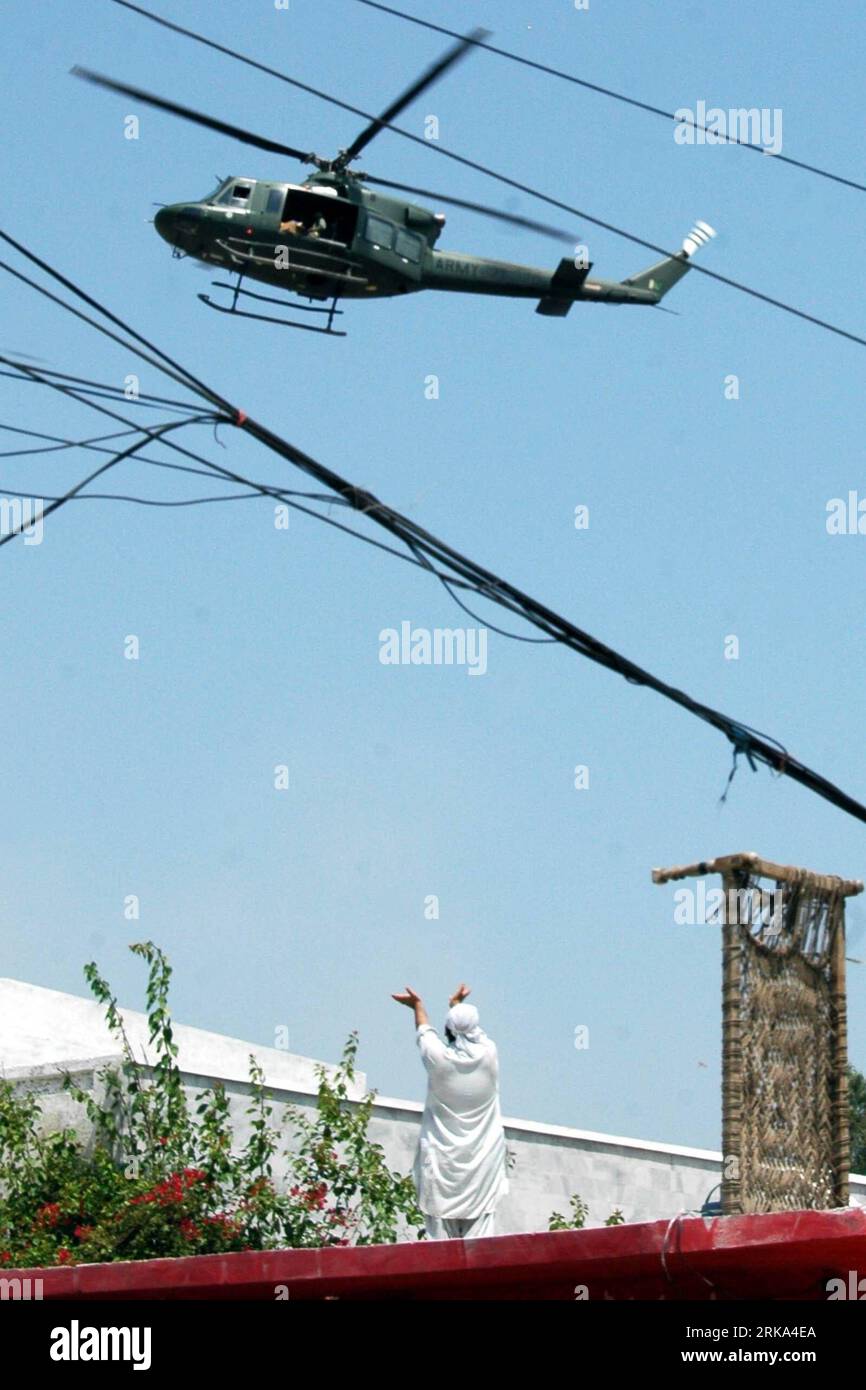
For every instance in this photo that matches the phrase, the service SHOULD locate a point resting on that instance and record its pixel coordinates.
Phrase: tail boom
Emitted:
(661, 277)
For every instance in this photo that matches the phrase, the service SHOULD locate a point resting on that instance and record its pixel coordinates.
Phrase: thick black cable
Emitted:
(744, 739)
(78, 313)
(616, 96)
(447, 585)
(501, 178)
(169, 367)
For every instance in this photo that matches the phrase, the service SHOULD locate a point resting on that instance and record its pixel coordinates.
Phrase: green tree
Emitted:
(857, 1102)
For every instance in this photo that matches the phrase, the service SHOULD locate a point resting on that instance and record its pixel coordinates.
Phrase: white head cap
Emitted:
(463, 1020)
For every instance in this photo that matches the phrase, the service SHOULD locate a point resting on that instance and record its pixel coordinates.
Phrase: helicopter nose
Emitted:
(179, 224)
(165, 222)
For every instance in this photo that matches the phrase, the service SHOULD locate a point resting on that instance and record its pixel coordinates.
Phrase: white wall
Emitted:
(44, 1032)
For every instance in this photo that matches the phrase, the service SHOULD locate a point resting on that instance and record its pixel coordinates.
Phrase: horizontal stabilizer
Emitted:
(565, 286)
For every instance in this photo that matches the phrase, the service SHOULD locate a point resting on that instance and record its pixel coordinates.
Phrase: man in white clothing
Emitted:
(460, 1167)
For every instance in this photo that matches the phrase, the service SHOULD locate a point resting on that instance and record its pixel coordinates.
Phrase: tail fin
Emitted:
(663, 276)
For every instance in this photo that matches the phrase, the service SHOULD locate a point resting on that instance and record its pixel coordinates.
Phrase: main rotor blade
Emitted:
(527, 222)
(246, 137)
(432, 74)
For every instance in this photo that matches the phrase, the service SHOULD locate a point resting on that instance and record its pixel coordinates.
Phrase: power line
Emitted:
(56, 444)
(609, 92)
(97, 444)
(167, 365)
(106, 390)
(500, 178)
(459, 569)
(125, 497)
(58, 502)
(287, 496)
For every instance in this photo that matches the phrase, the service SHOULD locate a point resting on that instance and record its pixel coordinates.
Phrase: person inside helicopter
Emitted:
(307, 214)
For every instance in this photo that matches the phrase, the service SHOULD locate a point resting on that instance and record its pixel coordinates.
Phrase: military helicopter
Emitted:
(333, 238)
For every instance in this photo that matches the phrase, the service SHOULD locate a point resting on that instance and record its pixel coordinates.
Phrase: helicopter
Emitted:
(333, 237)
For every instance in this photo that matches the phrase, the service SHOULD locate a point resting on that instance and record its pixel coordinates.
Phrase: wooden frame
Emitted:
(736, 869)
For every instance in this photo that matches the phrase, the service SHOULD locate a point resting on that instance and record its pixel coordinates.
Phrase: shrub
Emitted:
(163, 1179)
(579, 1213)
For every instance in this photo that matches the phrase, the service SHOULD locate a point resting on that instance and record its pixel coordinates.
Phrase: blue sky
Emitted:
(304, 908)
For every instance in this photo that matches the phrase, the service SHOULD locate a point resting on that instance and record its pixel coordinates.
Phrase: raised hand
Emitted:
(410, 998)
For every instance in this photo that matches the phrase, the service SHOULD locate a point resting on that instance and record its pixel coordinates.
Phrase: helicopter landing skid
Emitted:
(331, 311)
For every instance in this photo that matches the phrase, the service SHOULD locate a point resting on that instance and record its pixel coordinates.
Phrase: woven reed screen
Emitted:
(784, 1045)
(784, 1034)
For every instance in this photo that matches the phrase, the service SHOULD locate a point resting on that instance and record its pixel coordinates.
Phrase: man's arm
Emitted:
(413, 1001)
(459, 996)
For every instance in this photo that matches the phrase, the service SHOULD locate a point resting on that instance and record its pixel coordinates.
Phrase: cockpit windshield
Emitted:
(235, 193)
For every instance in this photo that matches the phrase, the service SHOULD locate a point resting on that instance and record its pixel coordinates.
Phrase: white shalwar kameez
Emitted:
(460, 1167)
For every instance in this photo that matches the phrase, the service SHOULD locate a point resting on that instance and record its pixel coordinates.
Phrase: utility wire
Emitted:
(125, 497)
(107, 391)
(609, 92)
(168, 366)
(280, 494)
(40, 289)
(748, 742)
(97, 445)
(745, 740)
(274, 491)
(118, 458)
(110, 386)
(500, 178)
(57, 444)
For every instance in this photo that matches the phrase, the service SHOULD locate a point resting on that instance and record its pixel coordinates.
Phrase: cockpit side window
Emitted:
(237, 194)
(408, 245)
(380, 232)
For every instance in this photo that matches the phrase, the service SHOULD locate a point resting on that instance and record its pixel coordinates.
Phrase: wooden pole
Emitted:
(841, 1134)
(732, 1052)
